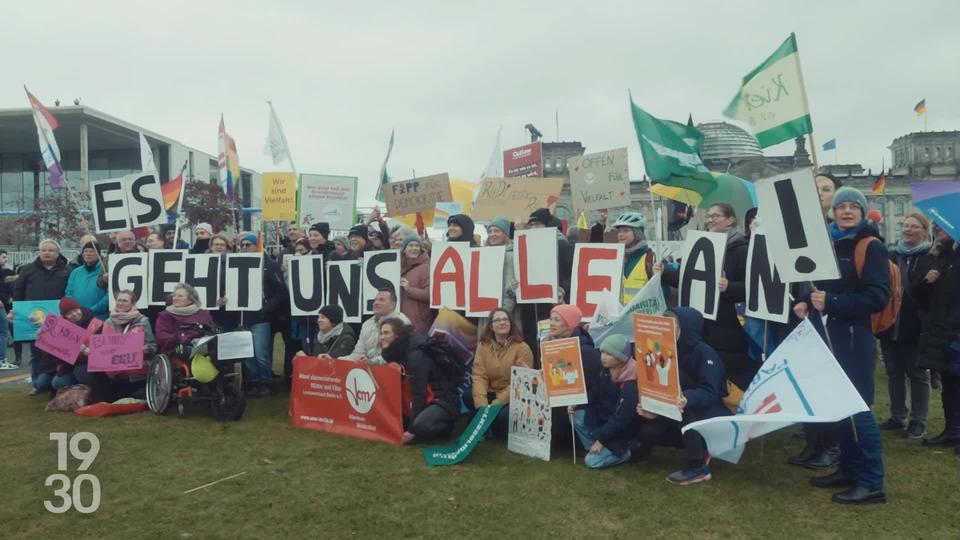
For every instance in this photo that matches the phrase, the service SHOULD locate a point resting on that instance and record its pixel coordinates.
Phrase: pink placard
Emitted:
(116, 352)
(61, 338)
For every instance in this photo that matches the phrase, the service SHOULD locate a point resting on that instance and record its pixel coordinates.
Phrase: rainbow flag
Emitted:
(173, 191)
(880, 184)
(49, 150)
(921, 108)
(228, 161)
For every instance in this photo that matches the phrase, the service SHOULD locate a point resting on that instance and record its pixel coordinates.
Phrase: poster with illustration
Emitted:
(658, 376)
(563, 372)
(29, 316)
(530, 419)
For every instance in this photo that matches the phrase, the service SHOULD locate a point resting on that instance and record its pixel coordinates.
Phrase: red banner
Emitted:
(526, 160)
(347, 398)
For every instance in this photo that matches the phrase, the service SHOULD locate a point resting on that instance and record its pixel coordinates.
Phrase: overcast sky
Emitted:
(447, 74)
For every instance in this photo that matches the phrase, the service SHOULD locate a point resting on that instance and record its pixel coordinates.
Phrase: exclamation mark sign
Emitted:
(793, 224)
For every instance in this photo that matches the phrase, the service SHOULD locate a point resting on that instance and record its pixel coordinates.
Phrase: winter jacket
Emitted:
(338, 346)
(509, 303)
(415, 299)
(425, 375)
(83, 286)
(492, 366)
(941, 325)
(141, 325)
(619, 427)
(37, 282)
(368, 343)
(49, 363)
(701, 370)
(913, 268)
(595, 377)
(169, 333)
(6, 287)
(276, 300)
(850, 301)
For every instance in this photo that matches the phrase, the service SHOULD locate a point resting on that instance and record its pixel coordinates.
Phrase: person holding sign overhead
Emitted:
(846, 305)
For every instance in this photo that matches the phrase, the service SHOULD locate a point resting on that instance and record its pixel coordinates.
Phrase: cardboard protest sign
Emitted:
(381, 270)
(530, 417)
(801, 382)
(61, 338)
(596, 268)
(526, 160)
(327, 198)
(466, 442)
(166, 270)
(202, 272)
(347, 398)
(417, 194)
(599, 181)
(485, 292)
(449, 270)
(128, 272)
(29, 316)
(768, 297)
(132, 201)
(534, 256)
(514, 199)
(344, 288)
(305, 284)
(115, 352)
(658, 372)
(244, 282)
(607, 320)
(700, 272)
(797, 235)
(279, 196)
(563, 372)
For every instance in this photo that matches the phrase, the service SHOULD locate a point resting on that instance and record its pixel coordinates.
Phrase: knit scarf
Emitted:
(904, 249)
(628, 373)
(123, 318)
(734, 234)
(840, 234)
(333, 333)
(640, 246)
(185, 311)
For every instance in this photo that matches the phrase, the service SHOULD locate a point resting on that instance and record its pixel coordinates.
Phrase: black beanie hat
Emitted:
(542, 215)
(333, 313)
(361, 231)
(322, 228)
(466, 225)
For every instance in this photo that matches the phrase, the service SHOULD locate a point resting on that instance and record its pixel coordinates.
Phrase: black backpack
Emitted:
(444, 357)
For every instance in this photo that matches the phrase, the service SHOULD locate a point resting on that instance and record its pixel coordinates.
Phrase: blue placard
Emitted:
(28, 317)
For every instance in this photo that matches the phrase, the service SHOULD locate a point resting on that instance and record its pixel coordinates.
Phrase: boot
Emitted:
(810, 450)
(947, 438)
(826, 459)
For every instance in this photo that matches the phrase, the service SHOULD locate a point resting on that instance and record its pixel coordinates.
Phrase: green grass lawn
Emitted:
(307, 484)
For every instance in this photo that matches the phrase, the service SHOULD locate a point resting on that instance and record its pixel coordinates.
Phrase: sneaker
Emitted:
(690, 476)
(33, 392)
(892, 425)
(7, 366)
(915, 430)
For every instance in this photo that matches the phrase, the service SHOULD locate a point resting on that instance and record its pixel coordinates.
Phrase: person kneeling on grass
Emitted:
(605, 432)
(702, 385)
(433, 380)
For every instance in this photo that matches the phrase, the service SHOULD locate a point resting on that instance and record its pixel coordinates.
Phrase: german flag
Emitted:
(921, 108)
(880, 184)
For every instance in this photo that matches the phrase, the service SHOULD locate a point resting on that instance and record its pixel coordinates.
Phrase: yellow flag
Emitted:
(582, 222)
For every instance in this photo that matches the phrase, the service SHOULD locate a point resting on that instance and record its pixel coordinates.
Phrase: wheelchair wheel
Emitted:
(230, 405)
(159, 384)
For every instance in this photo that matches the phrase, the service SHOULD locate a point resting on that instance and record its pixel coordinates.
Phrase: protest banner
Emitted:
(443, 211)
(417, 194)
(344, 288)
(132, 201)
(563, 372)
(797, 238)
(279, 196)
(305, 285)
(61, 338)
(539, 283)
(800, 382)
(325, 198)
(940, 201)
(244, 282)
(485, 292)
(202, 272)
(514, 199)
(619, 320)
(128, 272)
(658, 371)
(449, 271)
(347, 398)
(466, 442)
(700, 272)
(526, 160)
(29, 316)
(381, 270)
(596, 268)
(166, 270)
(768, 297)
(115, 352)
(599, 181)
(531, 421)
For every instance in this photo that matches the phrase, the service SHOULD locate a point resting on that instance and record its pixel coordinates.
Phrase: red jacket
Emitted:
(168, 328)
(415, 299)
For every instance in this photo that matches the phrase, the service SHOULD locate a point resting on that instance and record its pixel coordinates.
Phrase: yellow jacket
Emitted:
(491, 369)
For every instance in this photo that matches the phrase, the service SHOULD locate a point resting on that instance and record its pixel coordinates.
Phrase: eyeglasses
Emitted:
(246, 244)
(714, 217)
(501, 319)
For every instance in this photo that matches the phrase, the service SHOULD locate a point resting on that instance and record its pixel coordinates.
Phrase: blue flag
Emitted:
(830, 145)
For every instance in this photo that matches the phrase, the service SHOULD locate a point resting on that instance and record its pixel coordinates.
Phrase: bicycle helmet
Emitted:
(630, 219)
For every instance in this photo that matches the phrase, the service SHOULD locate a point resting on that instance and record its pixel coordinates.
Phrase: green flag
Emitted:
(772, 98)
(384, 177)
(670, 151)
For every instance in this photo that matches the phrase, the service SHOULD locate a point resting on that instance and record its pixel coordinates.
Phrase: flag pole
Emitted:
(806, 104)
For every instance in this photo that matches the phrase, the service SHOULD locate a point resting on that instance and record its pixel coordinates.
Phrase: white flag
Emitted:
(607, 320)
(276, 143)
(800, 382)
(495, 165)
(146, 156)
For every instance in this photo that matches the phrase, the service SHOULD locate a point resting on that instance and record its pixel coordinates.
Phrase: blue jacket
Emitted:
(82, 287)
(618, 426)
(850, 301)
(702, 373)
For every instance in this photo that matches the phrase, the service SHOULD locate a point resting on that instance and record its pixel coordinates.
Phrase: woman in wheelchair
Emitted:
(184, 308)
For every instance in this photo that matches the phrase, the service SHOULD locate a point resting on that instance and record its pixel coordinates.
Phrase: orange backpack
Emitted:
(885, 318)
